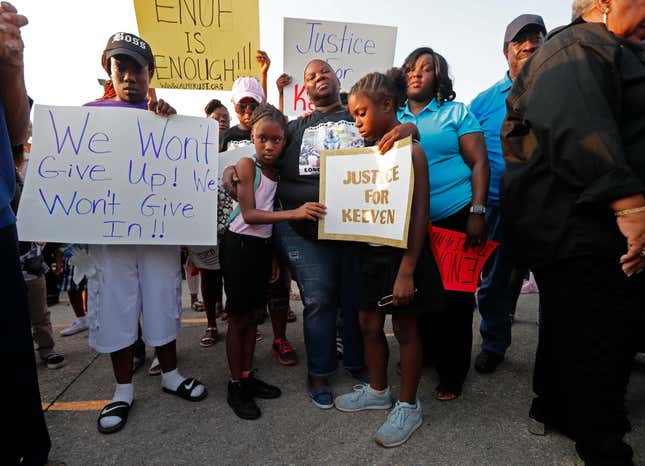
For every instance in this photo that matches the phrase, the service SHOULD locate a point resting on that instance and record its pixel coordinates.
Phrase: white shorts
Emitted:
(130, 280)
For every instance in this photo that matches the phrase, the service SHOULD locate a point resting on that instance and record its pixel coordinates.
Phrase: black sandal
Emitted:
(116, 408)
(186, 388)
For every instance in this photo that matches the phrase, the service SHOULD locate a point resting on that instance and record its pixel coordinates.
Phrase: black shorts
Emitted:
(379, 267)
(246, 268)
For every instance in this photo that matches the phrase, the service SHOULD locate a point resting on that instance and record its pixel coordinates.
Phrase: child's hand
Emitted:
(403, 292)
(310, 211)
(264, 61)
(283, 80)
(161, 107)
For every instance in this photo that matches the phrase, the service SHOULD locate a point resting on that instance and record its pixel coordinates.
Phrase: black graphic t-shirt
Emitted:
(300, 162)
(235, 137)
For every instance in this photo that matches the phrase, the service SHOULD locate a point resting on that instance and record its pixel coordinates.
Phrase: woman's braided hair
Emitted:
(378, 86)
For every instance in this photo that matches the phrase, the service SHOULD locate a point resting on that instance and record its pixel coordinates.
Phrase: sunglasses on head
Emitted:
(242, 107)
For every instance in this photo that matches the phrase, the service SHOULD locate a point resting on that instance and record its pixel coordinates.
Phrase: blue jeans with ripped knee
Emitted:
(327, 275)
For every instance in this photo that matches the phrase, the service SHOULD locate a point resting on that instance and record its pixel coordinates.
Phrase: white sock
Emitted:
(379, 392)
(171, 380)
(123, 392)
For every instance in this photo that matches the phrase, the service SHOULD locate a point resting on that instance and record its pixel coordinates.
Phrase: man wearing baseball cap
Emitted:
(496, 296)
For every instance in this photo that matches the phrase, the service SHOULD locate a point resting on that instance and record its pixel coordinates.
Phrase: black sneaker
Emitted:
(241, 401)
(259, 389)
(487, 361)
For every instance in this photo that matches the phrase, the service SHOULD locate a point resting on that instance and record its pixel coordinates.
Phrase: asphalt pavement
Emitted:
(485, 426)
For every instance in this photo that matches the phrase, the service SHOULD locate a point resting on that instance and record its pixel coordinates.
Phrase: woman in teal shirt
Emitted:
(454, 145)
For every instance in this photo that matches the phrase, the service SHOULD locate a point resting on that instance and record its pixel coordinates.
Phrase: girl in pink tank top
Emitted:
(246, 255)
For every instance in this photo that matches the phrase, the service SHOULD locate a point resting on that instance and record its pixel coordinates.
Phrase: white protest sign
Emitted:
(351, 49)
(368, 195)
(120, 176)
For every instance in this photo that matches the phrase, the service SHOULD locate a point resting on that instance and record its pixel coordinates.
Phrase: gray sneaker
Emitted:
(400, 425)
(363, 398)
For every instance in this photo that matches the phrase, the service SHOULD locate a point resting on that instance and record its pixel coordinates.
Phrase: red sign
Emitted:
(460, 268)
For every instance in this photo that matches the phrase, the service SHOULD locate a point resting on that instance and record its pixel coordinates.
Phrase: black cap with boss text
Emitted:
(124, 43)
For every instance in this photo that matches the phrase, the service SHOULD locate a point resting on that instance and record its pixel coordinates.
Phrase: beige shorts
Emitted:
(132, 282)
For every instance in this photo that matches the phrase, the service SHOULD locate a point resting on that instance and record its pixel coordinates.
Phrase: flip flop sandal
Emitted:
(445, 395)
(209, 338)
(117, 408)
(198, 306)
(185, 389)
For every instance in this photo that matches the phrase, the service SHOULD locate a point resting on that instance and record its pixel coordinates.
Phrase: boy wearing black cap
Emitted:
(134, 279)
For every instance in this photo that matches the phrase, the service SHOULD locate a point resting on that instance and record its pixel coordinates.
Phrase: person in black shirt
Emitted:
(574, 208)
(326, 271)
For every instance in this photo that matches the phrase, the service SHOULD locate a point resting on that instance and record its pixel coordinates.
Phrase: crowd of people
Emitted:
(549, 162)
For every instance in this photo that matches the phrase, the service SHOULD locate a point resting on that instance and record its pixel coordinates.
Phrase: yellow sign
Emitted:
(200, 44)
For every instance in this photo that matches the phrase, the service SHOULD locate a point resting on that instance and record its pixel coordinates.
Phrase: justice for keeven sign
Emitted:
(368, 195)
(120, 176)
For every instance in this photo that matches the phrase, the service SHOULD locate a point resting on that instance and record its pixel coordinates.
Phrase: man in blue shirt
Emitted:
(496, 296)
(26, 441)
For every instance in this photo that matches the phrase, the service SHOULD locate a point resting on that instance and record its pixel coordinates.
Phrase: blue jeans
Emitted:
(327, 275)
(496, 297)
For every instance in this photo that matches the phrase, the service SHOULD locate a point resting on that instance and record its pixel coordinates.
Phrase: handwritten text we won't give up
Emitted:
(161, 166)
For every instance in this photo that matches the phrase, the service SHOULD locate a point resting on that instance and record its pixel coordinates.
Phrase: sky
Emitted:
(65, 38)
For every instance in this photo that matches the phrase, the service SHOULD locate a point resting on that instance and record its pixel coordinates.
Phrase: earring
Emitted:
(605, 11)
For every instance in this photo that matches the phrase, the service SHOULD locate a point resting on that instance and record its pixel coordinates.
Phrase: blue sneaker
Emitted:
(363, 398)
(400, 425)
(322, 397)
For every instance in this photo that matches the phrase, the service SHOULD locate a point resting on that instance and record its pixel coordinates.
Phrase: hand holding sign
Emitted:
(460, 265)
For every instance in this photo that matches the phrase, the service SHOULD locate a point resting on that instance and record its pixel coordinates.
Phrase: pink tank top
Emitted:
(263, 201)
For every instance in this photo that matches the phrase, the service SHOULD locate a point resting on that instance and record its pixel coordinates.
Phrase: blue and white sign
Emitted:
(351, 49)
(121, 176)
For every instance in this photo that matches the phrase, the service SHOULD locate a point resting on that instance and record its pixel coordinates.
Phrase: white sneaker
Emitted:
(79, 325)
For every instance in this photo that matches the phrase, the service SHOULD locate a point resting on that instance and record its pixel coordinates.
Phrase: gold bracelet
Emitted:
(620, 213)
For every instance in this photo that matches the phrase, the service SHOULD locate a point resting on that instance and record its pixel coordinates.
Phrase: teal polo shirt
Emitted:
(489, 108)
(440, 129)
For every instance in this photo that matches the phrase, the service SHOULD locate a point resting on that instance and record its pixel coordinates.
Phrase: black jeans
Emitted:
(448, 335)
(26, 436)
(592, 319)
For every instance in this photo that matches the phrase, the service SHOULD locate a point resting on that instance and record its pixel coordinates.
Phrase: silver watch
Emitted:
(478, 209)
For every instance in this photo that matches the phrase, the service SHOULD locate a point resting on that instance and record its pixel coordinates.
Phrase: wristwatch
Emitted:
(478, 209)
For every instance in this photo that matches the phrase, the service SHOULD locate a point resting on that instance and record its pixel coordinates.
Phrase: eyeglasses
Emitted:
(387, 300)
(242, 107)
